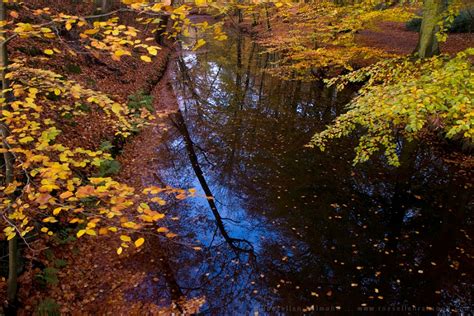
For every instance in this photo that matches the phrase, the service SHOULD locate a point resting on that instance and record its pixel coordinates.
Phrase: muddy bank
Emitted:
(138, 158)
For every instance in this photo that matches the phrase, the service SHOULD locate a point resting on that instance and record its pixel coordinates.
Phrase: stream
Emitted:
(290, 229)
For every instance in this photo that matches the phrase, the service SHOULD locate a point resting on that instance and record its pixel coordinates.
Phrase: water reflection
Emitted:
(293, 228)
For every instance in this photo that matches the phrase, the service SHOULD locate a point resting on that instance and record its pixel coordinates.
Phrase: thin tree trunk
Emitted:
(13, 259)
(428, 45)
(3, 51)
(102, 6)
(249, 65)
(267, 17)
(12, 283)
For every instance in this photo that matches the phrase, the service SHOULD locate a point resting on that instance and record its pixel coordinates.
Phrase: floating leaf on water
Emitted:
(162, 230)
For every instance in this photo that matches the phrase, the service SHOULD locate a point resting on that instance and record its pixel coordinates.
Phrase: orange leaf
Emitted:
(85, 191)
(66, 194)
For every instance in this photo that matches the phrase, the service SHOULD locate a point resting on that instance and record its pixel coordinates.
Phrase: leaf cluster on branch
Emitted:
(406, 96)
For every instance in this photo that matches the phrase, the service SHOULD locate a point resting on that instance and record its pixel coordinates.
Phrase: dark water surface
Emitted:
(291, 228)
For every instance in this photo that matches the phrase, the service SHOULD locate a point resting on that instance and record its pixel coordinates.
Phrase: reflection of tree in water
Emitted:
(346, 236)
(224, 269)
(238, 245)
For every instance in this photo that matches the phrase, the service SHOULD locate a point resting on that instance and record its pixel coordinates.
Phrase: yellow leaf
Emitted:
(80, 233)
(120, 52)
(145, 58)
(50, 219)
(125, 238)
(48, 51)
(116, 108)
(152, 51)
(171, 235)
(26, 139)
(199, 44)
(57, 210)
(91, 31)
(91, 232)
(11, 188)
(10, 236)
(119, 250)
(139, 242)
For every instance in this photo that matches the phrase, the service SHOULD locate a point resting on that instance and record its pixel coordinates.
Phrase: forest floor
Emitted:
(95, 279)
(393, 37)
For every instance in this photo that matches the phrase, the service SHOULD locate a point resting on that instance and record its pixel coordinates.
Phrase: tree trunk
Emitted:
(13, 259)
(3, 51)
(161, 29)
(428, 44)
(267, 17)
(8, 160)
(102, 6)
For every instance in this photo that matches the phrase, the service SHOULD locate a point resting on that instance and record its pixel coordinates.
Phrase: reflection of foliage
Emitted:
(406, 96)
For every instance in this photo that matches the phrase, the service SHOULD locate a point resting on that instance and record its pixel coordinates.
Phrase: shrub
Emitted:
(414, 24)
(106, 146)
(49, 276)
(48, 307)
(141, 100)
(73, 69)
(463, 23)
(108, 168)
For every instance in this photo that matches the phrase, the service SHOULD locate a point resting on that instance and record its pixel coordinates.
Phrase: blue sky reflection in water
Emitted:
(304, 228)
